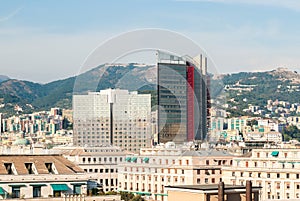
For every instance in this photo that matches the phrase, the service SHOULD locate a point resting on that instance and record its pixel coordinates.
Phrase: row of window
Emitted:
(156, 178)
(101, 170)
(156, 170)
(268, 175)
(206, 180)
(30, 167)
(102, 159)
(208, 172)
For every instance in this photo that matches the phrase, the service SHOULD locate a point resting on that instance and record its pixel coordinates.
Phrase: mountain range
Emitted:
(35, 97)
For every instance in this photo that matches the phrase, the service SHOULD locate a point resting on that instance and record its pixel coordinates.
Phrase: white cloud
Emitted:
(10, 15)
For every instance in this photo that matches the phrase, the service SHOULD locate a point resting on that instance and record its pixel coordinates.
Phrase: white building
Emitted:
(100, 163)
(275, 170)
(271, 136)
(112, 117)
(154, 168)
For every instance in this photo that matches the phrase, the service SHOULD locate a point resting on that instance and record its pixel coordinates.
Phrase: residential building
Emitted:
(112, 117)
(182, 98)
(100, 163)
(276, 170)
(34, 176)
(154, 168)
(268, 137)
(237, 123)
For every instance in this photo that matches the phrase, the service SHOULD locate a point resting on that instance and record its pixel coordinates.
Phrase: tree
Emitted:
(292, 131)
(126, 196)
(137, 198)
(252, 122)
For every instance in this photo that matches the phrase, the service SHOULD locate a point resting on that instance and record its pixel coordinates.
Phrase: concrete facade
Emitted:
(112, 117)
(276, 170)
(148, 172)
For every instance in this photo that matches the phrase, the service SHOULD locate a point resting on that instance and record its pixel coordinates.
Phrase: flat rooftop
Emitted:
(206, 187)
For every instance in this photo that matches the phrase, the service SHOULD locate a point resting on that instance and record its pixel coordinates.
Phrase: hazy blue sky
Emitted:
(47, 40)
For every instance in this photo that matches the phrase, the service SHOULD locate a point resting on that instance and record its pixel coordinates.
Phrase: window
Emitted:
(278, 195)
(198, 181)
(50, 167)
(15, 192)
(297, 176)
(29, 167)
(36, 191)
(278, 175)
(9, 168)
(259, 175)
(207, 162)
(206, 180)
(268, 175)
(278, 185)
(287, 175)
(213, 180)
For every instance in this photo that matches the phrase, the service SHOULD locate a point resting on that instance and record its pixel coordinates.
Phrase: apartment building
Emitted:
(276, 170)
(100, 163)
(154, 168)
(39, 176)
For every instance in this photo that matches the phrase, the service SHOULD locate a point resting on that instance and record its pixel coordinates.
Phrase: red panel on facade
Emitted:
(190, 103)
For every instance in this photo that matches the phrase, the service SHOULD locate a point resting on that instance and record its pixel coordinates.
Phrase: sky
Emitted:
(42, 41)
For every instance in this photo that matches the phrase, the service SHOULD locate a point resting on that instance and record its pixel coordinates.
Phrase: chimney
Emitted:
(248, 191)
(221, 191)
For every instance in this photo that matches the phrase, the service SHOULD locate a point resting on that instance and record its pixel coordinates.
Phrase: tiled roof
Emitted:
(62, 165)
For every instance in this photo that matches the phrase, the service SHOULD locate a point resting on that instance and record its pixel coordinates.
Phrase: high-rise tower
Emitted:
(182, 98)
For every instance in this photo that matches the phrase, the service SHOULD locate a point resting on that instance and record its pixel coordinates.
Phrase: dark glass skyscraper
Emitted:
(182, 98)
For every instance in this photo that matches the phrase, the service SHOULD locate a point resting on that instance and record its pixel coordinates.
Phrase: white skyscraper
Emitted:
(112, 117)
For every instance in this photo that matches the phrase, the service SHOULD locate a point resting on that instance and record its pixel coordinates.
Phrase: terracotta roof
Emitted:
(62, 165)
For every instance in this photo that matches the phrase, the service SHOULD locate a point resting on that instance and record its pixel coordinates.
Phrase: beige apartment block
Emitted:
(148, 172)
(276, 170)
